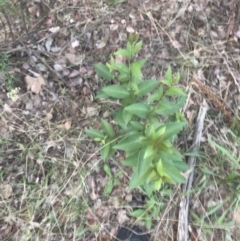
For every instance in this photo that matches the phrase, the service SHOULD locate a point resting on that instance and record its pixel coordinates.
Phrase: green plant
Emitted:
(4, 64)
(137, 128)
(113, 180)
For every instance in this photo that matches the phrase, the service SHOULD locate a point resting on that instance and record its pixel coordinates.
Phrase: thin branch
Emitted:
(184, 204)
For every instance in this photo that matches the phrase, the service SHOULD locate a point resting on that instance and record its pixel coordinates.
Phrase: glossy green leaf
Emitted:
(153, 176)
(139, 109)
(105, 150)
(149, 188)
(149, 151)
(123, 77)
(101, 95)
(158, 184)
(131, 161)
(174, 90)
(133, 37)
(146, 86)
(181, 165)
(129, 48)
(138, 213)
(172, 172)
(160, 131)
(107, 128)
(137, 125)
(108, 189)
(150, 131)
(173, 129)
(148, 222)
(167, 107)
(93, 133)
(144, 163)
(103, 71)
(130, 143)
(122, 68)
(107, 169)
(156, 96)
(123, 52)
(136, 47)
(168, 75)
(136, 68)
(127, 116)
(137, 181)
(176, 79)
(116, 91)
(225, 152)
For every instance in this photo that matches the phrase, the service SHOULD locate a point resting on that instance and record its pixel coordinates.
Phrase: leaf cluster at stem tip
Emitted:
(136, 126)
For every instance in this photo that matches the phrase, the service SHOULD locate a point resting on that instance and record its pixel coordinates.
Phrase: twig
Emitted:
(6, 15)
(184, 204)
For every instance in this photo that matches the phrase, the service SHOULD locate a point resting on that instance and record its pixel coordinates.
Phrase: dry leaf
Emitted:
(75, 58)
(67, 125)
(54, 29)
(100, 44)
(130, 29)
(122, 216)
(5, 191)
(75, 44)
(236, 216)
(34, 83)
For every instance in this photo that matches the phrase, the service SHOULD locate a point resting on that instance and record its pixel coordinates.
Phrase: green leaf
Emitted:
(123, 77)
(127, 116)
(168, 76)
(225, 152)
(136, 47)
(149, 151)
(136, 68)
(144, 161)
(176, 79)
(137, 181)
(101, 95)
(130, 143)
(172, 172)
(119, 118)
(167, 108)
(172, 129)
(160, 131)
(103, 71)
(138, 213)
(133, 37)
(137, 125)
(139, 109)
(95, 134)
(105, 150)
(122, 68)
(158, 184)
(174, 90)
(156, 96)
(123, 52)
(153, 176)
(132, 160)
(148, 222)
(146, 86)
(107, 169)
(107, 128)
(115, 2)
(108, 189)
(129, 48)
(149, 188)
(116, 91)
(181, 166)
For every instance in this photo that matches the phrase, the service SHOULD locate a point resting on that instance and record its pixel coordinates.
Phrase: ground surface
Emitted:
(52, 179)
